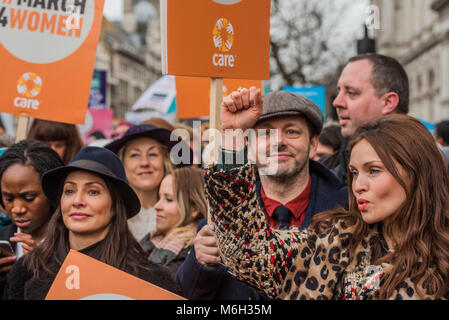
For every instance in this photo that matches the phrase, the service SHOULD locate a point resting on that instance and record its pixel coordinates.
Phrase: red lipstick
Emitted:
(362, 204)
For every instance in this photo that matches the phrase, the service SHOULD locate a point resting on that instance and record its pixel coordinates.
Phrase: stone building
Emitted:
(123, 50)
(141, 17)
(416, 32)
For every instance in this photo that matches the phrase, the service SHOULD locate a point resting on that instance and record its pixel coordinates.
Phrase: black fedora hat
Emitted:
(96, 160)
(161, 135)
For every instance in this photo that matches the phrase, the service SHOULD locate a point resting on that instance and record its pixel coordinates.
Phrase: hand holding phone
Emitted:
(6, 249)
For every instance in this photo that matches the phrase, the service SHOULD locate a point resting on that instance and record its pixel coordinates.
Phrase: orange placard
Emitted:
(47, 54)
(84, 278)
(216, 38)
(192, 94)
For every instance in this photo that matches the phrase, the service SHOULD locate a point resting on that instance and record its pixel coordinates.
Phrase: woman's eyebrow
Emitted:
(365, 164)
(86, 183)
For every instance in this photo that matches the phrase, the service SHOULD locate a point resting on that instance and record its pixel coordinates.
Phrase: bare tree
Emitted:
(304, 45)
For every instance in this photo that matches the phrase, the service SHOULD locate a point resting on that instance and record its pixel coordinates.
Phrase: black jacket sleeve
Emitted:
(14, 285)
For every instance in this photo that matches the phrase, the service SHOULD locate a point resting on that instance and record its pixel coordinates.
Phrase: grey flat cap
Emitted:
(284, 103)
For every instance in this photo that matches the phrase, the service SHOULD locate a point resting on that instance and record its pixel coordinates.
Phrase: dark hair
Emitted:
(421, 226)
(331, 136)
(29, 153)
(388, 75)
(119, 248)
(98, 134)
(442, 131)
(47, 131)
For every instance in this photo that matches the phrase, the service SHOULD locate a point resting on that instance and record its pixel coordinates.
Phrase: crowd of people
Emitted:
(352, 210)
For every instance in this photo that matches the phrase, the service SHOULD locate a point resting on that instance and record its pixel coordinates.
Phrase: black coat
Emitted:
(338, 162)
(20, 285)
(6, 233)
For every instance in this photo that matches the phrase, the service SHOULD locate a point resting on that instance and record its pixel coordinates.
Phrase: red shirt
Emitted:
(297, 206)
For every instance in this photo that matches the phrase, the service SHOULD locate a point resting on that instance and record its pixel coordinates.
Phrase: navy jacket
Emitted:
(199, 282)
(338, 162)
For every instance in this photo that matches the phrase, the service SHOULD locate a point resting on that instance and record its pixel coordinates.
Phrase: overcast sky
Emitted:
(113, 10)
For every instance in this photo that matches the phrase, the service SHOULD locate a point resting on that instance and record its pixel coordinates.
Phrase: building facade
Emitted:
(416, 32)
(128, 52)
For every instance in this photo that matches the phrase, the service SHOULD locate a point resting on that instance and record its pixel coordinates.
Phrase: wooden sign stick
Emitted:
(216, 97)
(22, 127)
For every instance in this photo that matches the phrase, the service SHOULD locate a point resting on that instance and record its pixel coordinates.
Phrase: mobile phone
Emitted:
(6, 249)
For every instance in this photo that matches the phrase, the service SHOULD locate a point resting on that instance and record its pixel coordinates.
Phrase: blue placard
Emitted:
(316, 93)
(429, 125)
(97, 97)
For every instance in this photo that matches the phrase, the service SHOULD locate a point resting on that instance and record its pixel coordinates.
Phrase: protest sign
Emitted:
(97, 119)
(47, 53)
(158, 97)
(84, 278)
(216, 38)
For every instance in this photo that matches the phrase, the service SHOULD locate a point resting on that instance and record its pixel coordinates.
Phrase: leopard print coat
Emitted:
(291, 264)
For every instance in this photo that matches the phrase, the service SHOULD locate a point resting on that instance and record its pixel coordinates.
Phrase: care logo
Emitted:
(223, 37)
(29, 86)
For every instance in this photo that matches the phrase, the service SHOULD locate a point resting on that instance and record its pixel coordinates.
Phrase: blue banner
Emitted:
(317, 94)
(97, 97)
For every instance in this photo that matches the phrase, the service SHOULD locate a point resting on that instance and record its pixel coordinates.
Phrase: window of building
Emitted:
(137, 93)
(123, 90)
(419, 83)
(431, 78)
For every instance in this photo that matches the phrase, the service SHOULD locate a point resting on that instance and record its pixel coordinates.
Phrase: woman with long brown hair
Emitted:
(393, 243)
(93, 201)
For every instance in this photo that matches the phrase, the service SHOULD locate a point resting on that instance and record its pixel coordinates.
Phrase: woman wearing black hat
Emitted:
(93, 202)
(145, 153)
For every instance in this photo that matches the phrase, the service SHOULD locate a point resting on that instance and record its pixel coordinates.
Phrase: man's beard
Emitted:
(284, 175)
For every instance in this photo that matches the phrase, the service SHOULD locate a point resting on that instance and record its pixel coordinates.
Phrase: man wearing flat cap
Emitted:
(290, 195)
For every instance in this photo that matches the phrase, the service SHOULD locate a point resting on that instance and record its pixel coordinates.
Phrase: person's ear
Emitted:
(194, 213)
(313, 146)
(390, 102)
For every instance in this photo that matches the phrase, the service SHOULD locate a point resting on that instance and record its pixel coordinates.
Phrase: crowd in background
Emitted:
(122, 200)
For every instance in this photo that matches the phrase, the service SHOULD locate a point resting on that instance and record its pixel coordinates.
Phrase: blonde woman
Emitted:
(145, 153)
(182, 204)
